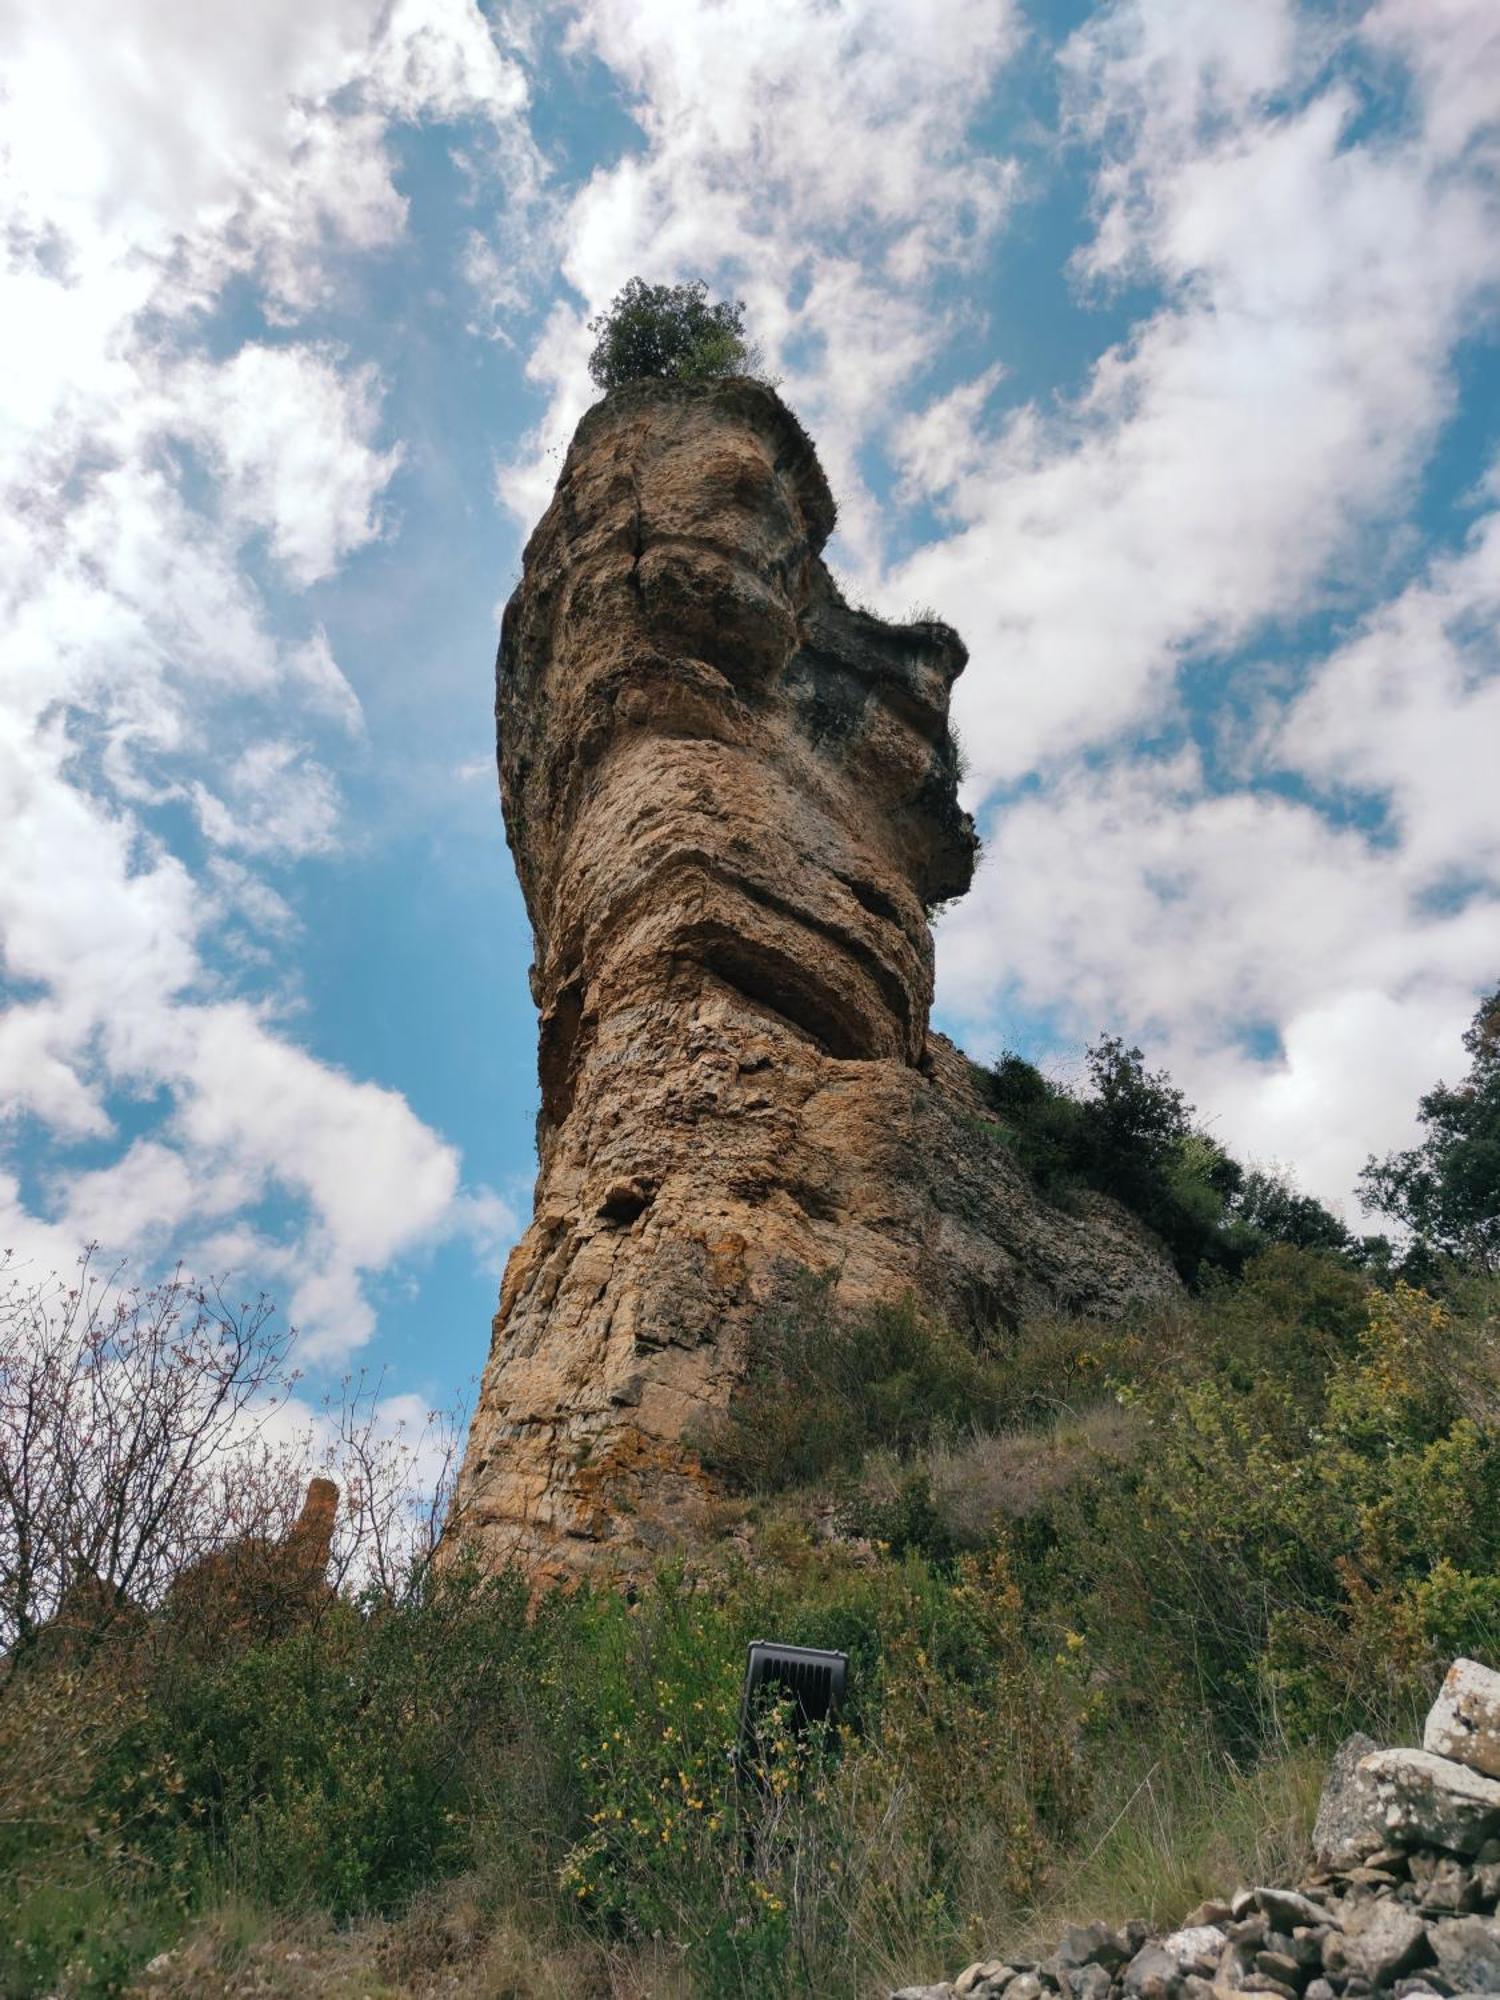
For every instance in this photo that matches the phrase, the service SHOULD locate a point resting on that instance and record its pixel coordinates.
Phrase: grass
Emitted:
(1161, 1840)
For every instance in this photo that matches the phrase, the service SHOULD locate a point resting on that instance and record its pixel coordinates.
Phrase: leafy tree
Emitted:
(1447, 1189)
(1274, 1207)
(1137, 1121)
(668, 331)
(1133, 1136)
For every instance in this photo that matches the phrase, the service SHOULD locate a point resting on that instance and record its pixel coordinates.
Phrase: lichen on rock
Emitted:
(732, 799)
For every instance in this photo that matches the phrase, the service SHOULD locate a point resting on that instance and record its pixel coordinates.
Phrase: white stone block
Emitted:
(1465, 1719)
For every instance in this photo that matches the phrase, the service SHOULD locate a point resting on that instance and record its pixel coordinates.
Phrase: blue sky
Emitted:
(1153, 343)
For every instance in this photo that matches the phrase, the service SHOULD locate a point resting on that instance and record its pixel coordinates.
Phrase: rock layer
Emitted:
(732, 801)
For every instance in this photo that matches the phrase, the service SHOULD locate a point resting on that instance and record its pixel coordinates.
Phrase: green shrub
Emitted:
(1273, 1546)
(824, 1385)
(1131, 1136)
(1210, 1539)
(670, 331)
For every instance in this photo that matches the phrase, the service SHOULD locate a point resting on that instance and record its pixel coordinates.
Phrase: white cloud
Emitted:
(279, 801)
(1135, 899)
(151, 152)
(1248, 453)
(1226, 459)
(944, 444)
(288, 431)
(438, 59)
(1409, 711)
(1454, 47)
(815, 160)
(326, 690)
(1203, 919)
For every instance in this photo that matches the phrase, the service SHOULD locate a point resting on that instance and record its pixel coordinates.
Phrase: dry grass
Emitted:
(1181, 1832)
(446, 1947)
(1196, 1828)
(983, 1480)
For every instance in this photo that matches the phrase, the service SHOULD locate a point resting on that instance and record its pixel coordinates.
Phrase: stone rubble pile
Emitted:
(1402, 1899)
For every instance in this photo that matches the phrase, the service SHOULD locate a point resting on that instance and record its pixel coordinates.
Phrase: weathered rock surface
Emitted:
(1379, 1941)
(1418, 1917)
(257, 1586)
(1432, 1802)
(1348, 1826)
(1465, 1720)
(731, 798)
(1467, 1950)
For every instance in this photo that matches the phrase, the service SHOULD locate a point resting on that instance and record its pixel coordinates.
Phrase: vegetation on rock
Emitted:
(1131, 1135)
(672, 332)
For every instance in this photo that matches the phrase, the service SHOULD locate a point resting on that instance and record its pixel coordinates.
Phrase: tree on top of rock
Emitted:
(672, 332)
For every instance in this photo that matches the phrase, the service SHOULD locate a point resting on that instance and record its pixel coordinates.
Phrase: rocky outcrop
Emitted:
(1403, 1898)
(257, 1587)
(732, 801)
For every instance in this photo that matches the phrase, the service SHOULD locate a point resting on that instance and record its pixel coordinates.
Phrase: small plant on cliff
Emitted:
(669, 331)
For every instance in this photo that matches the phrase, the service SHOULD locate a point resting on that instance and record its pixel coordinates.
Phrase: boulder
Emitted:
(1444, 1884)
(1464, 1722)
(1285, 1909)
(1153, 1974)
(1196, 1947)
(1092, 1944)
(1348, 1826)
(1428, 1801)
(1087, 1982)
(984, 1978)
(1380, 1939)
(1467, 1950)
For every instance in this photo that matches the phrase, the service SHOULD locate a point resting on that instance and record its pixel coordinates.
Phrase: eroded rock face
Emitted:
(731, 798)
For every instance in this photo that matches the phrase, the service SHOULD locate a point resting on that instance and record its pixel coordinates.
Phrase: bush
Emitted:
(824, 1385)
(1273, 1548)
(1132, 1137)
(668, 331)
(1125, 1587)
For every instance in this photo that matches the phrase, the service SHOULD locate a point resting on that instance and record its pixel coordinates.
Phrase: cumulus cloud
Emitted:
(1408, 713)
(820, 162)
(288, 431)
(1348, 923)
(155, 489)
(1226, 462)
(278, 800)
(1244, 937)
(1299, 921)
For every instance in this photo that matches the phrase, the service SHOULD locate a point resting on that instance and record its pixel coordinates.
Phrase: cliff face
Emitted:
(730, 797)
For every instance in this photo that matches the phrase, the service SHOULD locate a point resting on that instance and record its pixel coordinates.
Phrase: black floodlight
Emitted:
(813, 1680)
